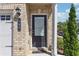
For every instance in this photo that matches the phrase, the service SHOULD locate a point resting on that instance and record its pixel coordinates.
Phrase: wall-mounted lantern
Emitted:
(17, 18)
(18, 10)
(17, 13)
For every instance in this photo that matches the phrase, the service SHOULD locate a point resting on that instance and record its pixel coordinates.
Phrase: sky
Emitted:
(63, 11)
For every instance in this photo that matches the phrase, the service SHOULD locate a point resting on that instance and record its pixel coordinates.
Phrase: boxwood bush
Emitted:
(60, 43)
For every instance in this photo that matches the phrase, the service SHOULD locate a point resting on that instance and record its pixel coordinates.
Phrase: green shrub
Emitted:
(72, 30)
(60, 43)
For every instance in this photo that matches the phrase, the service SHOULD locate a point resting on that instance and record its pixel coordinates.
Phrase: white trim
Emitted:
(54, 28)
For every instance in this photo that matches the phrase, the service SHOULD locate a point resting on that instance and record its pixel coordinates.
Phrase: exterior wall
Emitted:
(43, 9)
(22, 41)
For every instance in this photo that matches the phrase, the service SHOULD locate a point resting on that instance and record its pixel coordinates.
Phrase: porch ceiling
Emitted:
(40, 5)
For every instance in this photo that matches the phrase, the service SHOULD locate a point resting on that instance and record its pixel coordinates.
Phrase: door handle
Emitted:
(8, 46)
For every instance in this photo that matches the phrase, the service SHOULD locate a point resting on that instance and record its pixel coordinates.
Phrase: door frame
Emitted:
(46, 23)
(9, 12)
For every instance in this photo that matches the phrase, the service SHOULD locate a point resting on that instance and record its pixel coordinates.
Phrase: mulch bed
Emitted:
(60, 51)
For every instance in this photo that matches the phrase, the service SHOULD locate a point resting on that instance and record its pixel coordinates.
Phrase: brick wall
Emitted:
(22, 41)
(45, 9)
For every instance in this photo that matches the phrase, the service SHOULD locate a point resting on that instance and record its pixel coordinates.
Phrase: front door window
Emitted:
(39, 26)
(39, 31)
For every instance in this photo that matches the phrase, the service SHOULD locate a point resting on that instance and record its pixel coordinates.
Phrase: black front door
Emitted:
(39, 31)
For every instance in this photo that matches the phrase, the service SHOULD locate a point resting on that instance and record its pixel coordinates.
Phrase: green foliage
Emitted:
(60, 43)
(70, 34)
(60, 26)
(78, 29)
(78, 26)
(66, 40)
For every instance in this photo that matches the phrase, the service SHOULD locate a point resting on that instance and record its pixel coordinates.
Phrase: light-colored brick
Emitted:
(21, 47)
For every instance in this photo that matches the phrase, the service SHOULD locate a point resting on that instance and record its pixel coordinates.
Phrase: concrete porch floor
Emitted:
(40, 54)
(43, 54)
